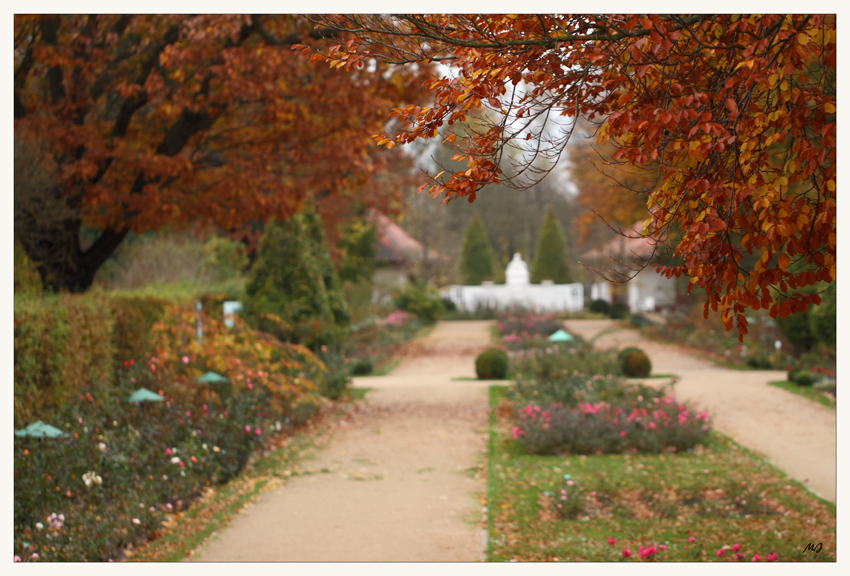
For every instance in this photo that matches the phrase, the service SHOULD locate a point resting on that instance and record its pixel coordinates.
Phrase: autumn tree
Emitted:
(476, 256)
(611, 196)
(550, 257)
(734, 115)
(153, 120)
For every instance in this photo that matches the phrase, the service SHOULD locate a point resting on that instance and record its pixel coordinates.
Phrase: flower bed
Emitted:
(716, 502)
(124, 469)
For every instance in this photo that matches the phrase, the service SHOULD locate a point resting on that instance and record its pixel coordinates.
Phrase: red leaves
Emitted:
(734, 131)
(732, 106)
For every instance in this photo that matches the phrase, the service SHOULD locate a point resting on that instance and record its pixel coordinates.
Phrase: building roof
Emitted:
(395, 246)
(631, 244)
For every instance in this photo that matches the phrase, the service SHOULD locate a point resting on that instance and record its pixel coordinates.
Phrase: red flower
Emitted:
(626, 552)
(612, 541)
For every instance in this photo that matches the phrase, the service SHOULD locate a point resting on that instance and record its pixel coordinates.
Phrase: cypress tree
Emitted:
(476, 257)
(285, 280)
(550, 256)
(333, 286)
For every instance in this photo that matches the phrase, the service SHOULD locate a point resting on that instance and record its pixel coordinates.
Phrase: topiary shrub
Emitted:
(600, 307)
(361, 367)
(492, 364)
(634, 362)
(760, 361)
(619, 311)
(639, 320)
(421, 299)
(804, 378)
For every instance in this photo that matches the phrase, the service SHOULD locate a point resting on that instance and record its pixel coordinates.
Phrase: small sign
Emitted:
(560, 336)
(145, 395)
(229, 309)
(212, 378)
(39, 429)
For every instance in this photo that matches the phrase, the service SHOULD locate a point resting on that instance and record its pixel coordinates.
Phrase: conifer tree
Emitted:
(476, 257)
(333, 286)
(550, 256)
(285, 285)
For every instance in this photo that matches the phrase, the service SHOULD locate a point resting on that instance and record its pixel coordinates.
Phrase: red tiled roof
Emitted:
(631, 245)
(394, 244)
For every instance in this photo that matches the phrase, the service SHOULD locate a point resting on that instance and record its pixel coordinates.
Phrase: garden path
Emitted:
(395, 483)
(794, 433)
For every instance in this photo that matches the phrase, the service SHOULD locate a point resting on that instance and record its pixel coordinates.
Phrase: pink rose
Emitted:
(626, 552)
(612, 541)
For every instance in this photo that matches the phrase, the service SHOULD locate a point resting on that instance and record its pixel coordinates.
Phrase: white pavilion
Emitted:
(517, 292)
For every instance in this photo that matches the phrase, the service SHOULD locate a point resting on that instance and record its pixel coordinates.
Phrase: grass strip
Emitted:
(809, 392)
(720, 494)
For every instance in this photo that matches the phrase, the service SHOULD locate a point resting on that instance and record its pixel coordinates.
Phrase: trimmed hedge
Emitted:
(133, 318)
(60, 343)
(492, 364)
(634, 362)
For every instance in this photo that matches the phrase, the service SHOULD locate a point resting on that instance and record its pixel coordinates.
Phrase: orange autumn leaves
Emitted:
(733, 115)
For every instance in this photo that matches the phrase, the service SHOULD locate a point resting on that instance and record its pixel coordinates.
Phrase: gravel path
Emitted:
(794, 433)
(397, 482)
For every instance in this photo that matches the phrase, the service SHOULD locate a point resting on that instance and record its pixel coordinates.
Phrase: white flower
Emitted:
(115, 422)
(204, 446)
(215, 449)
(136, 521)
(91, 478)
(102, 447)
(39, 525)
(175, 460)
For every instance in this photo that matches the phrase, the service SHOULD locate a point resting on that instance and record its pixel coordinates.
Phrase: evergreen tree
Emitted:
(476, 257)
(285, 286)
(824, 318)
(550, 256)
(330, 278)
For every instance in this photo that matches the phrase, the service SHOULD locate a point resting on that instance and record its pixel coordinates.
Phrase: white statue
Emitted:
(516, 274)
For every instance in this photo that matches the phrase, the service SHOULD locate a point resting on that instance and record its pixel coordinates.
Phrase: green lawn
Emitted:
(721, 495)
(809, 392)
